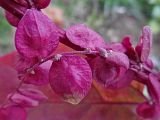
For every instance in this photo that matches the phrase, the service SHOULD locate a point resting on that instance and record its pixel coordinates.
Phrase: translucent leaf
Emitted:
(71, 78)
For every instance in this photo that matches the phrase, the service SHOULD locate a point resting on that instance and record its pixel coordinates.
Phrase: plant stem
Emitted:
(86, 52)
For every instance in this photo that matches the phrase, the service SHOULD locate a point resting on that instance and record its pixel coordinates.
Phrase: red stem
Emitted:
(63, 54)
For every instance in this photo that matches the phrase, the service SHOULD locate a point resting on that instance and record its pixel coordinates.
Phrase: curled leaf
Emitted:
(36, 35)
(71, 78)
(109, 75)
(130, 52)
(145, 43)
(84, 37)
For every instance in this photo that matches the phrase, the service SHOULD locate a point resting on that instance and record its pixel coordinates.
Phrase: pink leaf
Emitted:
(36, 35)
(84, 37)
(28, 97)
(33, 93)
(71, 78)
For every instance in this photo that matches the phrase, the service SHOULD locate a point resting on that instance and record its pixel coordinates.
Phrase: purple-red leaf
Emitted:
(41, 3)
(13, 113)
(13, 20)
(36, 35)
(22, 2)
(110, 75)
(23, 64)
(129, 48)
(39, 75)
(118, 47)
(115, 58)
(28, 97)
(71, 78)
(145, 43)
(84, 37)
(149, 111)
(153, 85)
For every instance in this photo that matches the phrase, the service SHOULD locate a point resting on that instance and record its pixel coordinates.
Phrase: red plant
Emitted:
(40, 61)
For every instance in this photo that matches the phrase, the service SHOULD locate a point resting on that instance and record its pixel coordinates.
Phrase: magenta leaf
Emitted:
(22, 2)
(28, 97)
(33, 93)
(153, 85)
(39, 75)
(23, 64)
(118, 47)
(149, 63)
(130, 52)
(13, 112)
(84, 37)
(13, 20)
(145, 43)
(115, 58)
(41, 3)
(149, 111)
(71, 78)
(36, 36)
(109, 75)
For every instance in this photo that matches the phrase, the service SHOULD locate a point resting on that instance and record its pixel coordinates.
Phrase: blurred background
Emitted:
(113, 19)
